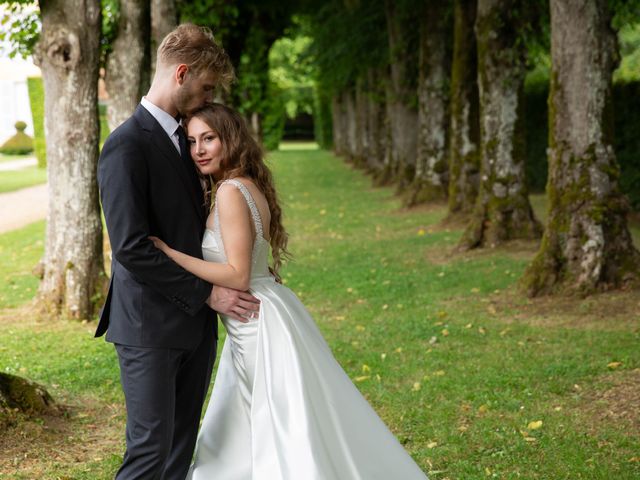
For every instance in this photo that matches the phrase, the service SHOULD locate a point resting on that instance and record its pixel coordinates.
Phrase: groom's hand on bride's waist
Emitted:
(234, 303)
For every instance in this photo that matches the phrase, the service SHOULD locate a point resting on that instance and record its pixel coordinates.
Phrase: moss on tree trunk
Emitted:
(21, 395)
(464, 139)
(586, 244)
(502, 211)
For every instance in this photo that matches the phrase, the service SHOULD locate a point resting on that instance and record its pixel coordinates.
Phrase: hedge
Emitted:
(36, 99)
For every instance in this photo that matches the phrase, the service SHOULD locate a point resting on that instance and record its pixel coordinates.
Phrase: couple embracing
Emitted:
(193, 217)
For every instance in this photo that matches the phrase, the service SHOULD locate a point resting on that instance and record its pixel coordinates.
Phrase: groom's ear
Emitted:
(181, 73)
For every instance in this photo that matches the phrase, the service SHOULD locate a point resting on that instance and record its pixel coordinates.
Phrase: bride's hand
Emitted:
(160, 245)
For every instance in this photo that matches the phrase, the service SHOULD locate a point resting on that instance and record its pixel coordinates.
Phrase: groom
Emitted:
(161, 318)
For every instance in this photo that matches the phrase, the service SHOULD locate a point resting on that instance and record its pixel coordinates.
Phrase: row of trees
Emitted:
(424, 95)
(447, 123)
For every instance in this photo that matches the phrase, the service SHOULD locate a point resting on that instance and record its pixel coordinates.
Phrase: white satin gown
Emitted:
(282, 408)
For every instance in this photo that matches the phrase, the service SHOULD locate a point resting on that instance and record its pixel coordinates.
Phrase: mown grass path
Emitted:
(475, 380)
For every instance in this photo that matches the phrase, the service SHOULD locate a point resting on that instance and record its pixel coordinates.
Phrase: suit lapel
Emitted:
(167, 150)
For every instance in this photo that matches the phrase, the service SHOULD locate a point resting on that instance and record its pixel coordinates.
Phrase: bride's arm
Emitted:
(237, 236)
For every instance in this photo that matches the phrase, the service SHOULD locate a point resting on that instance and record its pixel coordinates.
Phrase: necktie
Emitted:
(184, 148)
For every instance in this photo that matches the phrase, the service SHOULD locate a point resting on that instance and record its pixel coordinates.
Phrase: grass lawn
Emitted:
(25, 177)
(476, 380)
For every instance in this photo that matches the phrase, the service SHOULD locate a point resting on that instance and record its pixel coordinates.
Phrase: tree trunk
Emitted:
(502, 211)
(351, 125)
(362, 137)
(586, 244)
(164, 18)
(68, 54)
(339, 124)
(464, 136)
(431, 176)
(376, 121)
(128, 64)
(403, 118)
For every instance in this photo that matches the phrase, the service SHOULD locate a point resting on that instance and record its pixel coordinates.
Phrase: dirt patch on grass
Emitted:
(86, 431)
(615, 310)
(515, 249)
(615, 402)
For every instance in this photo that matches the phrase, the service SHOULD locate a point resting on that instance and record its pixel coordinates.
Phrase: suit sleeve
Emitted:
(123, 178)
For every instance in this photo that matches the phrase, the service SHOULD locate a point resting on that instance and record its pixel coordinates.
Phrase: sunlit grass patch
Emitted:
(26, 177)
(476, 380)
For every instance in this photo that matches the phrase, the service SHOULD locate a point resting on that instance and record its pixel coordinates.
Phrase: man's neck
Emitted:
(162, 100)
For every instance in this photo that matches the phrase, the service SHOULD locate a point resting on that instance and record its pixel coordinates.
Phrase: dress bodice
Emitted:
(213, 246)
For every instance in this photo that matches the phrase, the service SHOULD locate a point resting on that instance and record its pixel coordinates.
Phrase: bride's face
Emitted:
(205, 147)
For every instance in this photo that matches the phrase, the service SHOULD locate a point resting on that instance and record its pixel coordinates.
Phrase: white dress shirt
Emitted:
(166, 121)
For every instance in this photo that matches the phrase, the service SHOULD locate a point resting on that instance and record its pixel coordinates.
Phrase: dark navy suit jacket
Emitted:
(147, 189)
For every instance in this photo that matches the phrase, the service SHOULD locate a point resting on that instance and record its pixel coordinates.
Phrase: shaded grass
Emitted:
(26, 177)
(452, 357)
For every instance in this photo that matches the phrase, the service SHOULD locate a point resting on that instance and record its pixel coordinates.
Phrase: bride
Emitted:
(281, 408)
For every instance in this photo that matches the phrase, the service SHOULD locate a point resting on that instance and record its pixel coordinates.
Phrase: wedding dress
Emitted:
(282, 408)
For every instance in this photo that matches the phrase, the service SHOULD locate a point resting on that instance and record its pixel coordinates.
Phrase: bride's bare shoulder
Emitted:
(228, 193)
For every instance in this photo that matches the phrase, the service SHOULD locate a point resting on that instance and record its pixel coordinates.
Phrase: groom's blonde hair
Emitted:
(197, 48)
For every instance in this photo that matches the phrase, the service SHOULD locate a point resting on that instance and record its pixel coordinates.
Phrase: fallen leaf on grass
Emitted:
(432, 444)
(362, 378)
(614, 365)
(416, 387)
(535, 425)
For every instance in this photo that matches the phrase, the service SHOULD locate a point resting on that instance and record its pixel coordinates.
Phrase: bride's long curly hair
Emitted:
(242, 156)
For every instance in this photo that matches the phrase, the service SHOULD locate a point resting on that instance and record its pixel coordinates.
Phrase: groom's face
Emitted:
(195, 92)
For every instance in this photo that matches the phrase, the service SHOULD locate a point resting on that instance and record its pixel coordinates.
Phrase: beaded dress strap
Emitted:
(255, 214)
